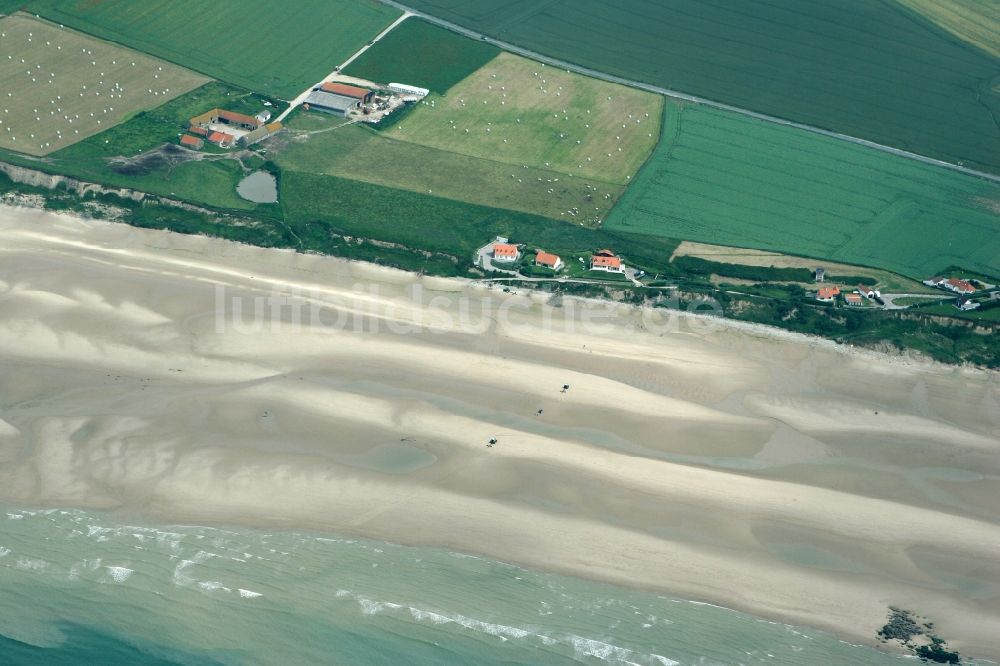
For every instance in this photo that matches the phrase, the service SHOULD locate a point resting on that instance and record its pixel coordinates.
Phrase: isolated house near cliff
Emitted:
(505, 253)
(605, 260)
(548, 260)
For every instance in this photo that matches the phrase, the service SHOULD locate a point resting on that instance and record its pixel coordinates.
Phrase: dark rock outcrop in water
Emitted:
(903, 627)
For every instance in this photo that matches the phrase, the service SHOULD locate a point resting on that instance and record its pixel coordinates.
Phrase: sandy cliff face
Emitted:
(49, 181)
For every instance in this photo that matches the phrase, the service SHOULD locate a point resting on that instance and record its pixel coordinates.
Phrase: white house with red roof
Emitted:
(958, 286)
(505, 253)
(827, 294)
(605, 260)
(553, 261)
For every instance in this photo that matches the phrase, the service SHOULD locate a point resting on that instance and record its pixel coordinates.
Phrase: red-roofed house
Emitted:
(548, 260)
(216, 116)
(192, 142)
(959, 286)
(603, 262)
(355, 92)
(505, 253)
(221, 139)
(853, 299)
(828, 294)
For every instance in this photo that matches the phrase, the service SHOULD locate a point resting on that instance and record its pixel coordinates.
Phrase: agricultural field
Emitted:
(975, 21)
(319, 143)
(726, 179)
(765, 259)
(422, 54)
(58, 86)
(522, 113)
(132, 154)
(269, 47)
(860, 67)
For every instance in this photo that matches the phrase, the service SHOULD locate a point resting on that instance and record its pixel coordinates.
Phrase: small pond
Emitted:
(259, 187)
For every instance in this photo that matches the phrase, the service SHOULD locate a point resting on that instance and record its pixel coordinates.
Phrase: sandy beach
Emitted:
(772, 473)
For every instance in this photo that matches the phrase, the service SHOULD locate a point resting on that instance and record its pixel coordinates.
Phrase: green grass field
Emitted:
(60, 86)
(519, 112)
(421, 54)
(726, 179)
(319, 143)
(948, 310)
(868, 68)
(268, 47)
(317, 205)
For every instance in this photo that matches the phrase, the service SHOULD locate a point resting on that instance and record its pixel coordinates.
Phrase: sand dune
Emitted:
(710, 461)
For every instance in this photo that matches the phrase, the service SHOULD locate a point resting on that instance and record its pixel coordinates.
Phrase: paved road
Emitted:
(889, 305)
(568, 280)
(305, 93)
(684, 96)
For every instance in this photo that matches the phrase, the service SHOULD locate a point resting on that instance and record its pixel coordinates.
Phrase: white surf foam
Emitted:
(591, 647)
(79, 567)
(249, 594)
(119, 574)
(501, 631)
(212, 586)
(180, 578)
(29, 564)
(4, 552)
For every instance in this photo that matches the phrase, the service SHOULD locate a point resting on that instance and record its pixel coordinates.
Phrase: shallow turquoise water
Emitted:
(85, 588)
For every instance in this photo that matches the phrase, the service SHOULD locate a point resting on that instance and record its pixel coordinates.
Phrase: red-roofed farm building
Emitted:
(363, 95)
(192, 141)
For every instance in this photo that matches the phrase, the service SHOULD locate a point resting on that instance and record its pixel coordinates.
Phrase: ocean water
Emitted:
(83, 588)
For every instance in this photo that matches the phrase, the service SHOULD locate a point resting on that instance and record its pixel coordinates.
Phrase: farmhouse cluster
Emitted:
(226, 129)
(966, 289)
(854, 298)
(355, 102)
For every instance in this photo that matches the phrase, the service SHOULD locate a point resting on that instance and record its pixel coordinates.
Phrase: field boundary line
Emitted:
(676, 94)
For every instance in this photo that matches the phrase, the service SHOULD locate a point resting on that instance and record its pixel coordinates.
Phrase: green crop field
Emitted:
(867, 68)
(270, 47)
(519, 112)
(722, 178)
(421, 54)
(58, 86)
(319, 143)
